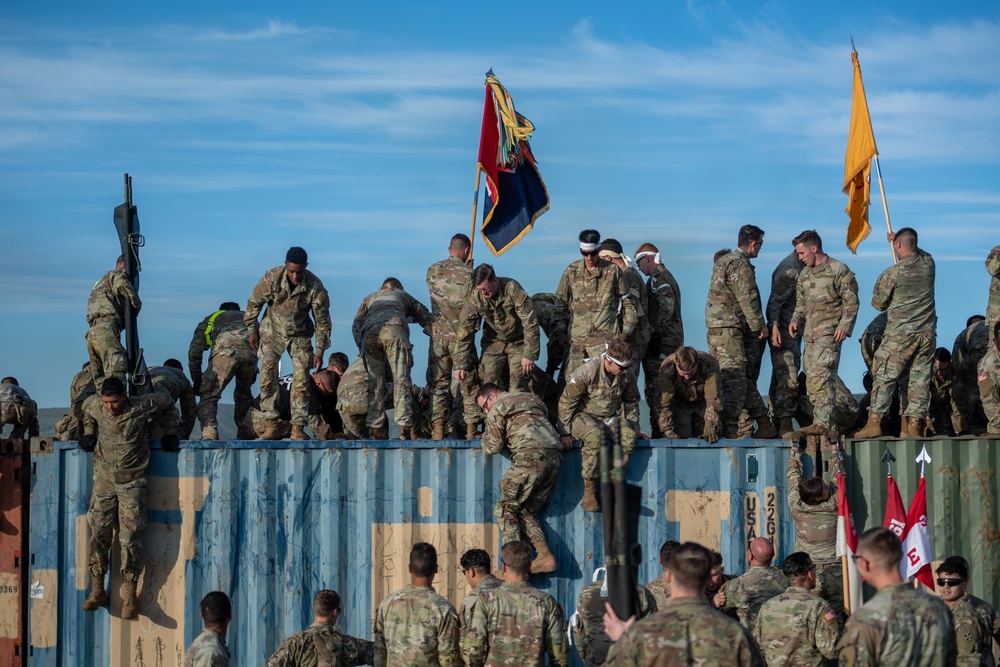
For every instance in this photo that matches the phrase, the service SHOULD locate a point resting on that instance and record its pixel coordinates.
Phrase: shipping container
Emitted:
(14, 458)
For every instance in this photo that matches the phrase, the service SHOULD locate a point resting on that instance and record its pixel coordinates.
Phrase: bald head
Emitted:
(761, 551)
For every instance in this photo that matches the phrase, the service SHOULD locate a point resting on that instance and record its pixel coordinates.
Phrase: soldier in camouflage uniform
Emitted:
(209, 648)
(81, 387)
(520, 422)
(416, 627)
(224, 333)
(900, 626)
(115, 428)
(989, 383)
(597, 296)
(516, 624)
(450, 283)
(17, 408)
(689, 402)
(761, 582)
(322, 644)
(352, 401)
(663, 295)
(993, 306)
(553, 318)
(970, 347)
(169, 380)
(949, 397)
(291, 293)
(717, 578)
(976, 623)
(735, 326)
(588, 622)
(321, 397)
(686, 631)
(826, 307)
(383, 336)
(612, 251)
(906, 292)
(786, 351)
(797, 628)
(659, 588)
(845, 407)
(600, 390)
(106, 317)
(479, 576)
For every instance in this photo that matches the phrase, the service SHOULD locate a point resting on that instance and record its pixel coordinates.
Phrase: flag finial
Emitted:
(923, 458)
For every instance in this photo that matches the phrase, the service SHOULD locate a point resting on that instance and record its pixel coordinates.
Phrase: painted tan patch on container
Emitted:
(9, 582)
(425, 501)
(82, 552)
(44, 610)
(699, 514)
(770, 517)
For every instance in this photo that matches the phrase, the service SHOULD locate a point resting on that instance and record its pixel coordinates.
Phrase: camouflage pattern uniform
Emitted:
(231, 357)
(899, 626)
(588, 631)
(469, 602)
(689, 408)
(207, 650)
(660, 590)
(322, 645)
(826, 302)
(786, 358)
(845, 409)
(553, 318)
(19, 409)
(257, 420)
(871, 339)
(352, 400)
(748, 592)
(106, 317)
(664, 299)
(516, 624)
(686, 632)
(592, 397)
(120, 463)
(993, 306)
(287, 327)
(70, 427)
(601, 309)
(975, 625)
(989, 389)
(641, 335)
(382, 334)
(949, 403)
(173, 383)
(416, 627)
(906, 292)
(970, 347)
(797, 629)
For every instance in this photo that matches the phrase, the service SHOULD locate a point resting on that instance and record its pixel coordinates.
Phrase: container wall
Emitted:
(272, 525)
(13, 534)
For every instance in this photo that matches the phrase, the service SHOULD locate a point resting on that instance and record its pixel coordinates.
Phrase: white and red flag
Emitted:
(916, 535)
(895, 513)
(847, 546)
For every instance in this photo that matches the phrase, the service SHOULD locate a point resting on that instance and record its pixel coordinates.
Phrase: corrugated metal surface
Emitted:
(272, 525)
(963, 501)
(13, 543)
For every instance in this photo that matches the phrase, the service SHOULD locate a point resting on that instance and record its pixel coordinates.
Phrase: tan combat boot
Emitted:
(299, 433)
(544, 562)
(814, 429)
(873, 429)
(128, 599)
(765, 429)
(785, 426)
(271, 429)
(471, 431)
(378, 433)
(98, 596)
(928, 430)
(209, 433)
(406, 433)
(438, 433)
(590, 503)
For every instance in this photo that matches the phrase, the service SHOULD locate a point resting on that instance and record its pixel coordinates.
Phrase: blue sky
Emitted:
(352, 130)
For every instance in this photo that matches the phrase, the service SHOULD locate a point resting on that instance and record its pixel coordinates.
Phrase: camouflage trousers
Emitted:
(738, 357)
(652, 359)
(117, 505)
(830, 587)
(896, 356)
(440, 364)
(355, 427)
(580, 352)
(500, 364)
(686, 418)
(524, 491)
(592, 434)
(258, 419)
(301, 351)
(820, 361)
(107, 355)
(389, 346)
(223, 366)
(784, 390)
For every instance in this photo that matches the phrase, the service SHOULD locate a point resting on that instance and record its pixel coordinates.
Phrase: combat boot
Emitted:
(928, 430)
(299, 433)
(873, 429)
(765, 429)
(128, 599)
(590, 503)
(378, 433)
(471, 431)
(785, 427)
(209, 433)
(98, 596)
(544, 562)
(406, 433)
(814, 429)
(438, 433)
(271, 430)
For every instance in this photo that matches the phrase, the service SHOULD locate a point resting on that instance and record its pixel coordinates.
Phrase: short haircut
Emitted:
(719, 254)
(810, 237)
(229, 305)
(423, 559)
(797, 564)
(646, 247)
(690, 564)
(613, 245)
(339, 361)
(486, 390)
(325, 603)
(880, 547)
(477, 559)
(811, 490)
(955, 565)
(686, 359)
(323, 374)
(666, 549)
(516, 555)
(590, 236)
(943, 355)
(907, 237)
(482, 273)
(972, 320)
(173, 363)
(112, 386)
(620, 350)
(10, 379)
(216, 608)
(460, 242)
(716, 559)
(748, 234)
(297, 255)
(392, 284)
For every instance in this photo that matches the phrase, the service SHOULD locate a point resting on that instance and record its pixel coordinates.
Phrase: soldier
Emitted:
(321, 398)
(420, 399)
(337, 366)
(224, 333)
(415, 626)
(871, 339)
(553, 318)
(597, 296)
(761, 582)
(70, 426)
(612, 251)
(906, 292)
(322, 644)
(383, 337)
(352, 400)
(510, 331)
(949, 397)
(786, 351)
(520, 422)
(588, 622)
(659, 588)
(106, 317)
(901, 625)
(666, 325)
(993, 305)
(689, 401)
(516, 623)
(989, 383)
(450, 283)
(209, 648)
(115, 428)
(970, 347)
(735, 328)
(717, 578)
(826, 307)
(687, 631)
(845, 407)
(596, 392)
(976, 623)
(17, 408)
(290, 293)
(796, 628)
(479, 576)
(169, 380)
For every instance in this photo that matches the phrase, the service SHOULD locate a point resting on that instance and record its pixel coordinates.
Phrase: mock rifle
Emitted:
(126, 219)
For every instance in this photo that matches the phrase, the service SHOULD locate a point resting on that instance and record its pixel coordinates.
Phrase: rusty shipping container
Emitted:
(13, 547)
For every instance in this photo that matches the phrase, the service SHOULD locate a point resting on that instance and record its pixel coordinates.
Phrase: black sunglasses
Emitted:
(950, 583)
(590, 254)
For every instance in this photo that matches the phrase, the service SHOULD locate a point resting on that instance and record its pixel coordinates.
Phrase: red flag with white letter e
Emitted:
(895, 515)
(847, 546)
(917, 540)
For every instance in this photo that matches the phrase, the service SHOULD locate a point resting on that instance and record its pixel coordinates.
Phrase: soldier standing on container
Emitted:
(290, 292)
(976, 623)
(169, 380)
(516, 624)
(70, 426)
(106, 317)
(479, 576)
(900, 626)
(322, 644)
(689, 402)
(553, 318)
(115, 428)
(735, 325)
(993, 305)
(761, 582)
(209, 649)
(416, 627)
(786, 351)
(659, 588)
(597, 296)
(612, 251)
(383, 337)
(352, 400)
(321, 398)
(970, 347)
(588, 623)
(17, 408)
(666, 325)
(989, 383)
(826, 307)
(224, 333)
(949, 397)
(520, 422)
(906, 292)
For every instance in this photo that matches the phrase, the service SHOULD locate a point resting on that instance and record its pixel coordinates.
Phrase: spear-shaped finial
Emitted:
(923, 458)
(852, 42)
(888, 459)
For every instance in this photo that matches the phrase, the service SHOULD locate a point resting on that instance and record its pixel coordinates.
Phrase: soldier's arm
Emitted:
(529, 323)
(665, 391)
(556, 644)
(282, 657)
(959, 405)
(494, 432)
(744, 284)
(378, 640)
(631, 397)
(357, 651)
(468, 324)
(359, 321)
(990, 394)
(580, 639)
(90, 407)
(449, 652)
(419, 313)
(826, 631)
(882, 292)
(570, 400)
(783, 286)
(859, 646)
(320, 306)
(475, 641)
(630, 314)
(260, 296)
(189, 410)
(122, 286)
(848, 288)
(793, 475)
(713, 402)
(799, 314)
(993, 262)
(564, 291)
(196, 352)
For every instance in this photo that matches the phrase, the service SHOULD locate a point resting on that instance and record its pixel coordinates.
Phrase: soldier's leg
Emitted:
(131, 523)
(886, 369)
(754, 352)
(591, 433)
(628, 445)
(439, 374)
(66, 428)
(354, 424)
(726, 345)
(918, 389)
(259, 424)
(820, 362)
(301, 351)
(245, 373)
(651, 372)
(375, 363)
(574, 359)
(539, 488)
(493, 365)
(213, 381)
(102, 517)
(399, 356)
(784, 393)
(518, 378)
(513, 493)
(107, 356)
(270, 352)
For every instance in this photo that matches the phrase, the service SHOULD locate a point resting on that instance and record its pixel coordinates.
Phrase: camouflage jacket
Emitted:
(288, 308)
(815, 525)
(975, 627)
(469, 602)
(686, 632)
(173, 383)
(600, 305)
(871, 339)
(508, 317)
(782, 300)
(748, 592)
(950, 399)
(352, 392)
(18, 408)
(81, 388)
(593, 391)
(970, 347)
(989, 388)
(660, 590)
(733, 297)
(322, 645)
(416, 627)
(553, 318)
(899, 626)
(993, 306)
(588, 631)
(221, 332)
(665, 307)
(108, 298)
(449, 283)
(519, 421)
(796, 629)
(516, 624)
(122, 453)
(906, 292)
(207, 650)
(704, 384)
(388, 307)
(640, 297)
(826, 300)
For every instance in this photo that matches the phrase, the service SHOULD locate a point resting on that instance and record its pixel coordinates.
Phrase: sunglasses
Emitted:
(949, 583)
(592, 253)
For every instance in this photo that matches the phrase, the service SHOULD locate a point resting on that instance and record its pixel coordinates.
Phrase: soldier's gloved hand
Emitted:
(170, 443)
(711, 435)
(671, 435)
(88, 442)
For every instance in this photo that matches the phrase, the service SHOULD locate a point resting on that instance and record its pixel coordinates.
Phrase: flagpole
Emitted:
(844, 571)
(475, 207)
(885, 207)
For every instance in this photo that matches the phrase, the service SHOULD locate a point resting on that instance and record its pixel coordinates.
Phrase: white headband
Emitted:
(622, 364)
(647, 253)
(589, 247)
(617, 255)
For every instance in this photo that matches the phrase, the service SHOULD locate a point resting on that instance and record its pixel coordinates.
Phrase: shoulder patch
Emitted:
(829, 617)
(983, 377)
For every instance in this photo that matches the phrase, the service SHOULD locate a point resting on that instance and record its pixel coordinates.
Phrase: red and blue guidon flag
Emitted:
(515, 193)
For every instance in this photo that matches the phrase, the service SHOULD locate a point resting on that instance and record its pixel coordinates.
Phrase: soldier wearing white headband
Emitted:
(612, 251)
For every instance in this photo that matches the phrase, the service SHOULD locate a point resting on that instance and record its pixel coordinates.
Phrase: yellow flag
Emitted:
(858, 163)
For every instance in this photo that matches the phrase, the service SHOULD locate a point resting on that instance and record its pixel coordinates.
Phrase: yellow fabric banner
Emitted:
(858, 163)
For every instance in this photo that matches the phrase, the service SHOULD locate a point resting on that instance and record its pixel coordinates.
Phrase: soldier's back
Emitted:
(911, 309)
(417, 626)
(322, 645)
(169, 381)
(207, 650)
(521, 624)
(796, 629)
(588, 633)
(449, 283)
(659, 588)
(748, 592)
(489, 582)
